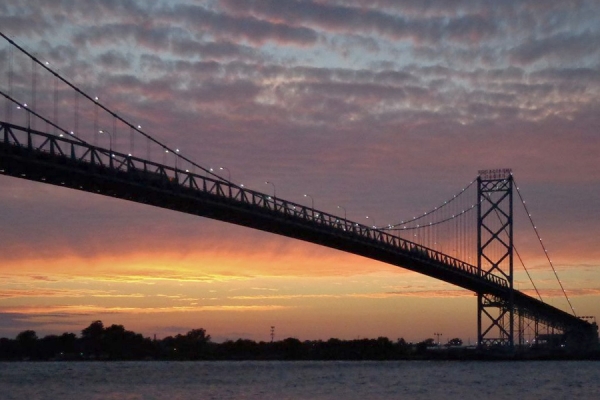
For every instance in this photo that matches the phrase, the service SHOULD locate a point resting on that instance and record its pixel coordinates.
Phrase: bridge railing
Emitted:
(173, 178)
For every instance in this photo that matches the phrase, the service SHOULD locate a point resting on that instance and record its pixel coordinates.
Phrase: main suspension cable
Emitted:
(435, 209)
(544, 248)
(519, 257)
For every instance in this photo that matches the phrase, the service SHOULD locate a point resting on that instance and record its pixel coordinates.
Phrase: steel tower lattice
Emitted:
(495, 315)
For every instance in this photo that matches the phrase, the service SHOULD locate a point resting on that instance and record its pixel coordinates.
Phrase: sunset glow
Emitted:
(382, 110)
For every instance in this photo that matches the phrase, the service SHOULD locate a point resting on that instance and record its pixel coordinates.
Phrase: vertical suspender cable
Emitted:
(33, 89)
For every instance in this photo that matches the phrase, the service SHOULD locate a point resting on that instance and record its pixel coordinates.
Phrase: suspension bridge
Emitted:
(467, 241)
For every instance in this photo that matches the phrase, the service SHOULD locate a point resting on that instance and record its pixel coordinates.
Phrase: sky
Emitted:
(385, 108)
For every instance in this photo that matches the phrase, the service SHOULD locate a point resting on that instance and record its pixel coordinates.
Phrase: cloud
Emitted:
(86, 310)
(557, 47)
(558, 293)
(340, 18)
(249, 28)
(63, 293)
(381, 295)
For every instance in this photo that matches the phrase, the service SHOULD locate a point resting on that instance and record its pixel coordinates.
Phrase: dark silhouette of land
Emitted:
(98, 342)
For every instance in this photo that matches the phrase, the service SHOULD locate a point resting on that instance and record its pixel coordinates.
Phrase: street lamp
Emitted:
(312, 201)
(176, 153)
(109, 139)
(343, 208)
(228, 178)
(110, 154)
(28, 114)
(274, 190)
(228, 172)
(345, 219)
(438, 337)
(372, 220)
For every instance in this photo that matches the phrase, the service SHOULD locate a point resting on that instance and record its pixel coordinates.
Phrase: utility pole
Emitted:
(272, 333)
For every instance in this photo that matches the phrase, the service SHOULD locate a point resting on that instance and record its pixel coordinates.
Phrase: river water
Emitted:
(300, 380)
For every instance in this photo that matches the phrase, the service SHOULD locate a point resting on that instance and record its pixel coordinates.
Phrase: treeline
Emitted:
(98, 342)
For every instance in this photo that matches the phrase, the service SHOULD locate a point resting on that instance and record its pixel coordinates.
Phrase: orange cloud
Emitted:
(90, 309)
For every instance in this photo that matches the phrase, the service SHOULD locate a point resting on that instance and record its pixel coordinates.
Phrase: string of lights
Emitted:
(544, 248)
(435, 209)
(421, 226)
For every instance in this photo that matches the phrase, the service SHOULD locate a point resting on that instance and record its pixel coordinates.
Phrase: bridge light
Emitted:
(72, 133)
(96, 98)
(312, 201)
(139, 127)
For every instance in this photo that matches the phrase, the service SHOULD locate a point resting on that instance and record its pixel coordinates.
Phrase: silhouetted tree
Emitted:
(422, 346)
(292, 349)
(9, 349)
(68, 343)
(198, 335)
(122, 344)
(91, 338)
(27, 341)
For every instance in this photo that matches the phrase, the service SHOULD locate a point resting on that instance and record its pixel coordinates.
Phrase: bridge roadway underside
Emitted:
(24, 163)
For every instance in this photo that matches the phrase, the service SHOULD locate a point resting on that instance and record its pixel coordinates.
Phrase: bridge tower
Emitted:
(495, 316)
